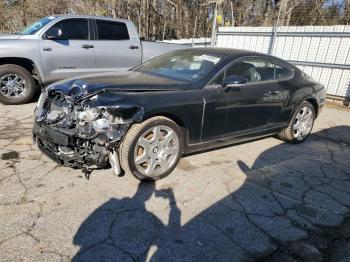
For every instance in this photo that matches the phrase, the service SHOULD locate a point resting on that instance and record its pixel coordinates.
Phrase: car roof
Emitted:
(234, 53)
(227, 51)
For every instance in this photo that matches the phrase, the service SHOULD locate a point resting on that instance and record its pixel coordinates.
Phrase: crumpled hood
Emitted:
(9, 36)
(124, 81)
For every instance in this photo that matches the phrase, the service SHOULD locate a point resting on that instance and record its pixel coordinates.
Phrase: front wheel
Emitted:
(152, 149)
(17, 85)
(301, 124)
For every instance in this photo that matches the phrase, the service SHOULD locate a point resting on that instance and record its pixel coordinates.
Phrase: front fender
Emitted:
(23, 49)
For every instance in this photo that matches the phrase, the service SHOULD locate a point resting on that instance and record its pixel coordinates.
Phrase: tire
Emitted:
(289, 134)
(131, 145)
(26, 83)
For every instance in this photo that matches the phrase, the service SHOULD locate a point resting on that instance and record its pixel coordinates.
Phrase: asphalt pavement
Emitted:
(263, 200)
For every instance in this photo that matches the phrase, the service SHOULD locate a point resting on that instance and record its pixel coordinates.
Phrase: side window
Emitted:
(265, 68)
(109, 30)
(253, 70)
(74, 29)
(258, 69)
(282, 72)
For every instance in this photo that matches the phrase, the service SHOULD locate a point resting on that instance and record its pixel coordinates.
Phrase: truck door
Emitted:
(115, 47)
(72, 54)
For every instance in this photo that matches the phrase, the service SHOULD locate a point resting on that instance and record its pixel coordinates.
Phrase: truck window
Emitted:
(33, 28)
(109, 30)
(74, 29)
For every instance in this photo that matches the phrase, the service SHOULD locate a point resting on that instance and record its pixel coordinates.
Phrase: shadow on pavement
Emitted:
(292, 197)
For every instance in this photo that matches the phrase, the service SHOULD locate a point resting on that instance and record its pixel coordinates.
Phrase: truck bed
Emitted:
(153, 49)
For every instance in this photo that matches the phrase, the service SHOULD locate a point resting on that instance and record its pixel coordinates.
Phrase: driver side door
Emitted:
(71, 55)
(246, 108)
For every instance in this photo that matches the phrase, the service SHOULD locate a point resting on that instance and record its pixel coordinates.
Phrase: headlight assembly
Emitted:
(88, 115)
(101, 124)
(40, 104)
(99, 120)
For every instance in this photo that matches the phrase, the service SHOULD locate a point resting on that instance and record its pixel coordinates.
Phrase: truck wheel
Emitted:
(17, 85)
(301, 124)
(152, 149)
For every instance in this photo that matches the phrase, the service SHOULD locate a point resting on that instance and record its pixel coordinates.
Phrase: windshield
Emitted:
(185, 65)
(32, 29)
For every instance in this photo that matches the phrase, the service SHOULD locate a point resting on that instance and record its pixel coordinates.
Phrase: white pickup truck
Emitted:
(63, 46)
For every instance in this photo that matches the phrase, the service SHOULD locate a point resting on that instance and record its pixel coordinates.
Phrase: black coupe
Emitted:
(143, 120)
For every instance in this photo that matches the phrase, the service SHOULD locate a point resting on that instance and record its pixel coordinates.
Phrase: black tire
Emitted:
(127, 147)
(287, 134)
(29, 85)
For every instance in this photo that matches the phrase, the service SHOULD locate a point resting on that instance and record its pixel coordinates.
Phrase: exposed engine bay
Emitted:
(82, 130)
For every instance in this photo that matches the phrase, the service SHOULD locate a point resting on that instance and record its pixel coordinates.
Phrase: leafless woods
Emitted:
(169, 19)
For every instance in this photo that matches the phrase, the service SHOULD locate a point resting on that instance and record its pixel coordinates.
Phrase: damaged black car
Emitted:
(143, 120)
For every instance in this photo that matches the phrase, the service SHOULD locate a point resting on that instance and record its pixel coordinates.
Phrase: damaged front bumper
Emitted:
(82, 134)
(71, 151)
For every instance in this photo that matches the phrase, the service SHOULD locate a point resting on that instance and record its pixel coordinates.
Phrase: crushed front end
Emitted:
(82, 130)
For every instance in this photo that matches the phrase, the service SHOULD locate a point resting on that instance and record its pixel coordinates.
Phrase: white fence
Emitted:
(320, 51)
(198, 42)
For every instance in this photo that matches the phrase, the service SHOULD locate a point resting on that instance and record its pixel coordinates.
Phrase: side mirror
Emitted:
(233, 81)
(53, 33)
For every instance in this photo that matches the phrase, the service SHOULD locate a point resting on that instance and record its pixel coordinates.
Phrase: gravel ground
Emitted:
(259, 200)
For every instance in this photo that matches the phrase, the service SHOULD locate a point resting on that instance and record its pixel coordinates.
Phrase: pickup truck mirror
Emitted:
(53, 33)
(233, 81)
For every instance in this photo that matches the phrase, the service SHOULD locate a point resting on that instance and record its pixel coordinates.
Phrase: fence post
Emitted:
(272, 40)
(213, 30)
(194, 30)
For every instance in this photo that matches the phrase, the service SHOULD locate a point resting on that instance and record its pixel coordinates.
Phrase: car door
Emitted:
(70, 55)
(250, 107)
(116, 48)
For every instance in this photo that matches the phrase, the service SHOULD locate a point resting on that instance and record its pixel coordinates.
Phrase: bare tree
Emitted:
(166, 19)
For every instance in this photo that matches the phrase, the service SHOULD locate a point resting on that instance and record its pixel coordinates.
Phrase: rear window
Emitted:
(108, 30)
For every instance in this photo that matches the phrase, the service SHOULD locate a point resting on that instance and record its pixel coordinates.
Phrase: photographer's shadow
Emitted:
(290, 193)
(123, 230)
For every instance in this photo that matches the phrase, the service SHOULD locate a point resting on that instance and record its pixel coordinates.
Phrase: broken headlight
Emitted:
(97, 117)
(101, 124)
(88, 115)
(39, 109)
(98, 120)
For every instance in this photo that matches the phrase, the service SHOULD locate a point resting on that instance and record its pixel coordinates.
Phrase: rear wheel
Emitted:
(301, 125)
(17, 85)
(152, 149)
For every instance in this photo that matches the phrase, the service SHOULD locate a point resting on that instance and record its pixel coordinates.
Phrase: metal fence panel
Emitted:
(320, 51)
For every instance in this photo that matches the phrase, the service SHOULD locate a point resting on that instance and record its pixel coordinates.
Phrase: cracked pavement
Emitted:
(260, 200)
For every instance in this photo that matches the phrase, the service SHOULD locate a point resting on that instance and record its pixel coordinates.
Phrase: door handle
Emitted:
(87, 46)
(274, 92)
(232, 89)
(134, 47)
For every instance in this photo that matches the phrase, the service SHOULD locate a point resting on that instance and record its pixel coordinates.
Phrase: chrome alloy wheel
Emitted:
(156, 151)
(13, 85)
(303, 123)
